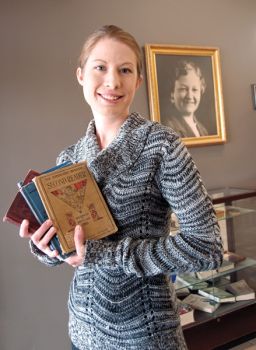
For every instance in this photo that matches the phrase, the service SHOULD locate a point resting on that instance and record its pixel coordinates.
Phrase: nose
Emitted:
(189, 93)
(112, 79)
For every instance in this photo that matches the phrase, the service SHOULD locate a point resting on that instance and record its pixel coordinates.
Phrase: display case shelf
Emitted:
(224, 212)
(245, 264)
(236, 212)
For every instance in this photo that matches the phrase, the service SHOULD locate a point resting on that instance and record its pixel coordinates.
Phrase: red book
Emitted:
(19, 210)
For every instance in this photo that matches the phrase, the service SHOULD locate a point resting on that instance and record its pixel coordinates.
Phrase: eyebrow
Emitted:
(103, 61)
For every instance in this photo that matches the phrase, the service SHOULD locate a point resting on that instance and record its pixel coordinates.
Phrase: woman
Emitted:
(187, 88)
(121, 296)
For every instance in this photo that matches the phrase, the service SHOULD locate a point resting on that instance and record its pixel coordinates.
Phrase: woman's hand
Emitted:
(77, 259)
(42, 236)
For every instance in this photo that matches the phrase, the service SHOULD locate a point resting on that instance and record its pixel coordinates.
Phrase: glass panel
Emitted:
(224, 212)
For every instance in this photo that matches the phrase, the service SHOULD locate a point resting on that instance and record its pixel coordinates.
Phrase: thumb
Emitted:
(24, 227)
(79, 238)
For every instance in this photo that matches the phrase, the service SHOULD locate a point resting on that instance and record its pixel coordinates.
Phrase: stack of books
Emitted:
(68, 195)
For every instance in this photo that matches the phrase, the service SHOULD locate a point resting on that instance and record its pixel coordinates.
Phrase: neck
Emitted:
(189, 116)
(107, 129)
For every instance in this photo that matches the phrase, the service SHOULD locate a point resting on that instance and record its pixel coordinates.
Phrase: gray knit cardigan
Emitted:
(122, 296)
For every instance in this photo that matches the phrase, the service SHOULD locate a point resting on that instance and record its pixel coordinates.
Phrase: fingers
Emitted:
(79, 238)
(23, 232)
(79, 241)
(42, 237)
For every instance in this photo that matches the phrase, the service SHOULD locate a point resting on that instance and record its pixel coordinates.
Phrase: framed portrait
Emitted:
(185, 92)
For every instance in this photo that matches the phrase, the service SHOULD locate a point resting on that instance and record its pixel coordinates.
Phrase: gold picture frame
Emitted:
(161, 61)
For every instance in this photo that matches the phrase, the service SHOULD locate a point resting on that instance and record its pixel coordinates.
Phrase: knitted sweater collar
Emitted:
(123, 151)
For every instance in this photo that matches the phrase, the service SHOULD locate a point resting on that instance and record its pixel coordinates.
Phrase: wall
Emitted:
(42, 111)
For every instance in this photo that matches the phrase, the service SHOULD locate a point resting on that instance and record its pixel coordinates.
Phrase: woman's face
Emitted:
(187, 93)
(109, 78)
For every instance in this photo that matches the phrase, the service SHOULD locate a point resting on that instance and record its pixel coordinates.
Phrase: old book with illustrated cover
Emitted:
(71, 196)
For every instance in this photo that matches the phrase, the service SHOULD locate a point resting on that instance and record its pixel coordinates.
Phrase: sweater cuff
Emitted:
(45, 259)
(101, 252)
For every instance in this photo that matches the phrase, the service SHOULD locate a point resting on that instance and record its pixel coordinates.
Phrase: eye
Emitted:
(125, 70)
(100, 67)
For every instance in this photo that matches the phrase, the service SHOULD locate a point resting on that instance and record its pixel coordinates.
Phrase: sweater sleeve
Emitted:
(43, 258)
(196, 247)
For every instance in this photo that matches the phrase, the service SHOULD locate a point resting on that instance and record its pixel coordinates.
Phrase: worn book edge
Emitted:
(19, 209)
(241, 290)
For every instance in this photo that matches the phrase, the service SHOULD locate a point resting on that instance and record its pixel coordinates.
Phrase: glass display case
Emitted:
(230, 317)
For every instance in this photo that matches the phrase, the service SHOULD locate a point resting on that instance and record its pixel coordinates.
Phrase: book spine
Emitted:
(33, 200)
(50, 212)
(35, 203)
(56, 167)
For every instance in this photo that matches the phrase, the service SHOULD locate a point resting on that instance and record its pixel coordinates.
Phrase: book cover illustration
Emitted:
(20, 210)
(71, 196)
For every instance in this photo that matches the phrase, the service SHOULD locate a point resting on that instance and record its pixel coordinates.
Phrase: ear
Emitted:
(139, 81)
(172, 97)
(79, 75)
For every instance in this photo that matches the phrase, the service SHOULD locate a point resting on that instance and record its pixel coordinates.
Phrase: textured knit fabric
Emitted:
(122, 298)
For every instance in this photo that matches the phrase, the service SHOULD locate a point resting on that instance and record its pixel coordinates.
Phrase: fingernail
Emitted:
(78, 228)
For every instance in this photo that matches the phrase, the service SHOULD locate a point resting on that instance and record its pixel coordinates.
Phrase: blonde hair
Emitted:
(114, 32)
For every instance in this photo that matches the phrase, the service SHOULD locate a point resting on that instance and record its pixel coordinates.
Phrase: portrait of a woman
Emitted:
(187, 89)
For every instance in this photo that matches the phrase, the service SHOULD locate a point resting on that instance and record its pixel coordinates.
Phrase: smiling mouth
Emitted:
(110, 97)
